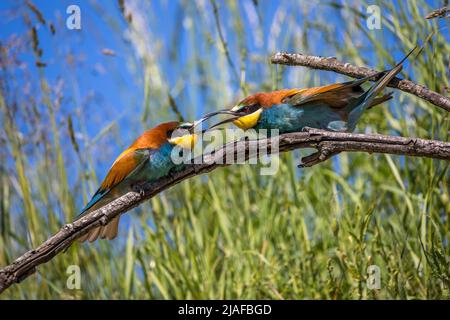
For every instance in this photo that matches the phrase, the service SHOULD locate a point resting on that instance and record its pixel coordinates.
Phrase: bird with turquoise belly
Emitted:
(335, 107)
(147, 159)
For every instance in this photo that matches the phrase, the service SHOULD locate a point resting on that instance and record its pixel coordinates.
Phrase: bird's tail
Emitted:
(108, 231)
(98, 196)
(369, 98)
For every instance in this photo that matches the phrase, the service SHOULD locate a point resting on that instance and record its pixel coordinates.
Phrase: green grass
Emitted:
(300, 234)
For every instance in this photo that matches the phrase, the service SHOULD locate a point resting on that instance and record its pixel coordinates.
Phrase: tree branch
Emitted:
(439, 13)
(327, 143)
(332, 64)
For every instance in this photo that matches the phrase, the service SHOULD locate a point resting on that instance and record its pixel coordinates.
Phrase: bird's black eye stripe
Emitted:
(250, 108)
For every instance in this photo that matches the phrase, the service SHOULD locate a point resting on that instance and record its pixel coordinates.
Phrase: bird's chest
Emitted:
(287, 118)
(159, 163)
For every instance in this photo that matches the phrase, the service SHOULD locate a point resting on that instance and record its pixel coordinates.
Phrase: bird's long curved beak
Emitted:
(240, 115)
(187, 141)
(243, 120)
(212, 114)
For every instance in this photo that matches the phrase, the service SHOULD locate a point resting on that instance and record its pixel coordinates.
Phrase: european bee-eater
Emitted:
(336, 107)
(147, 159)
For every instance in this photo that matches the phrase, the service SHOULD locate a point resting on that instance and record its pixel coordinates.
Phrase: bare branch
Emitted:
(327, 143)
(443, 12)
(332, 64)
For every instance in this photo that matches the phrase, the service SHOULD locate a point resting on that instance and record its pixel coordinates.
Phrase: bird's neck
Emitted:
(166, 148)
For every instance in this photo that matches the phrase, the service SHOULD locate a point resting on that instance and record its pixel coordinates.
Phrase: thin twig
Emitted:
(332, 64)
(443, 12)
(327, 143)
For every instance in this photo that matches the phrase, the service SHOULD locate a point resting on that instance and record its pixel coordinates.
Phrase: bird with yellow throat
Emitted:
(335, 107)
(147, 159)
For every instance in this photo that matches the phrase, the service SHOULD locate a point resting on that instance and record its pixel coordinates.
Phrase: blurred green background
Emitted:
(71, 100)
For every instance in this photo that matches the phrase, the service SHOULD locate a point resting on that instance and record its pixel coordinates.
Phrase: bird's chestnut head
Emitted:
(248, 111)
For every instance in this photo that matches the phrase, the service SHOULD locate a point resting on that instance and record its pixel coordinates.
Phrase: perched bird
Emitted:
(336, 107)
(147, 159)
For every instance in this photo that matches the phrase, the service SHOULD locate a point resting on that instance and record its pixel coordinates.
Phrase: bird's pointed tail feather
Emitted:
(108, 231)
(369, 98)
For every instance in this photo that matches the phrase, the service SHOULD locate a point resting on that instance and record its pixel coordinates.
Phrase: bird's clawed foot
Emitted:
(313, 132)
(171, 175)
(138, 187)
(307, 129)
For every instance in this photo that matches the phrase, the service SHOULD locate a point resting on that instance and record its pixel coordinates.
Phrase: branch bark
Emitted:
(326, 143)
(332, 64)
(439, 13)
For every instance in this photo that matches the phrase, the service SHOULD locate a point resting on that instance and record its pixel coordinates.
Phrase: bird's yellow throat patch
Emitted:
(186, 142)
(248, 121)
